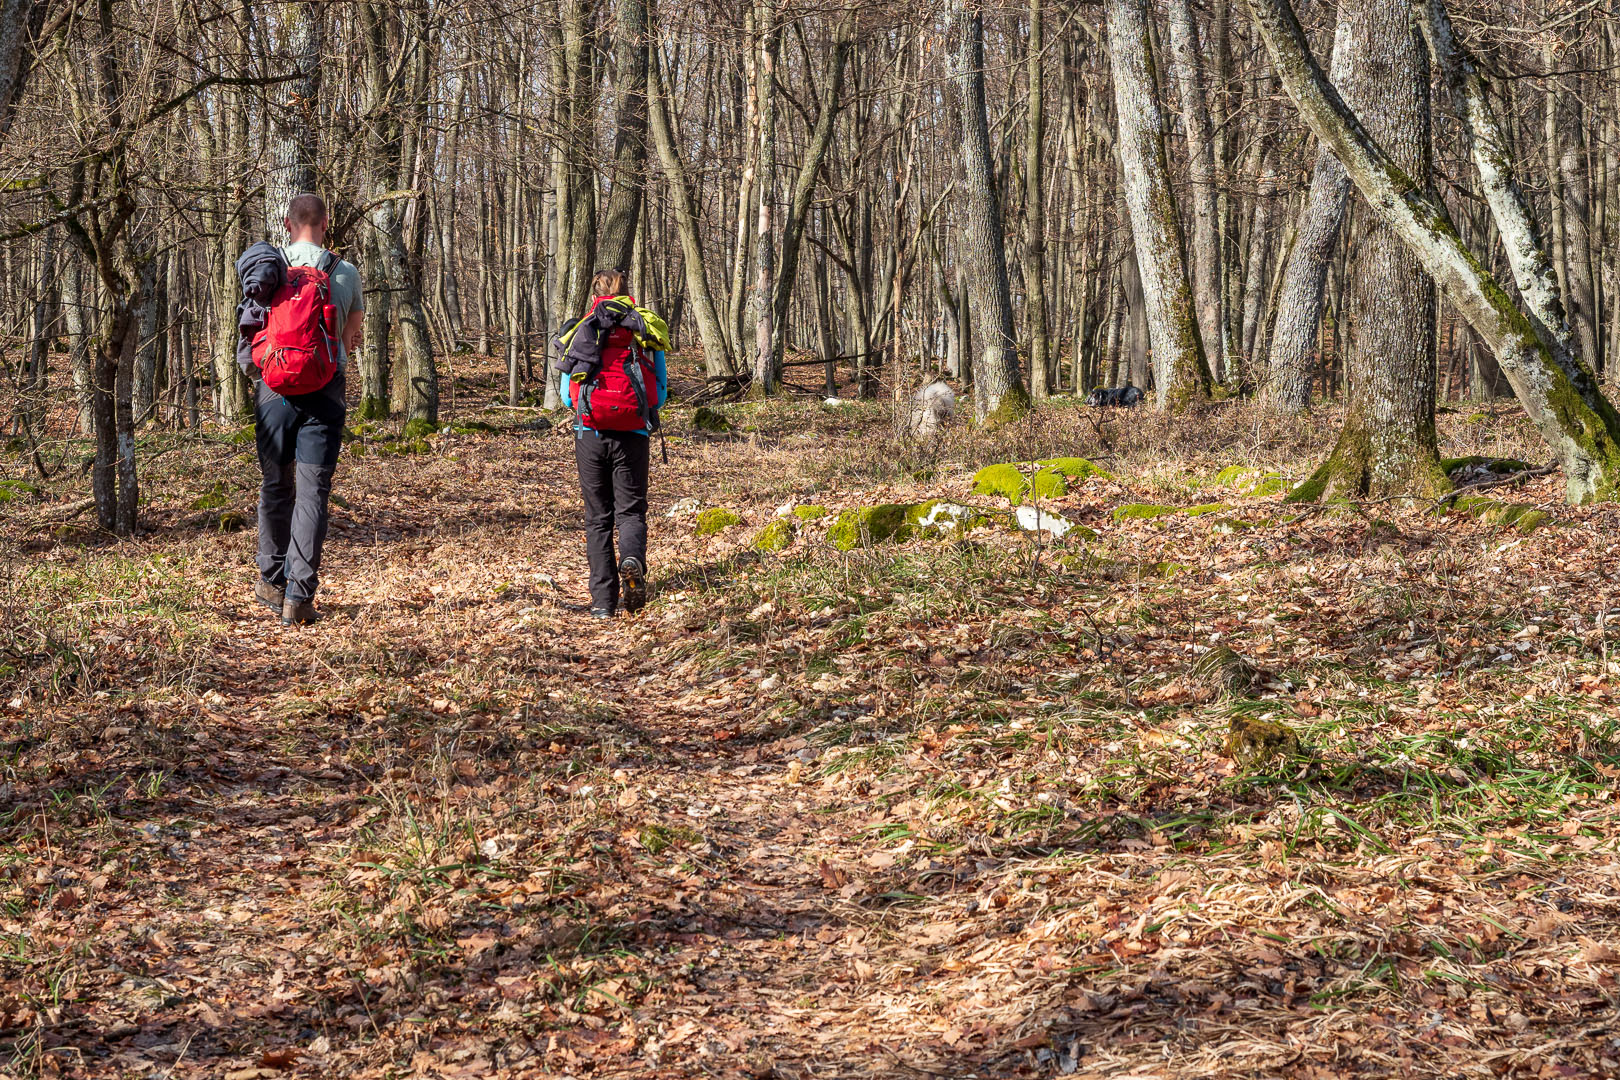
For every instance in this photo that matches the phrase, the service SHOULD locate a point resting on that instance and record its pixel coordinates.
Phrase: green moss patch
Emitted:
(1008, 481)
(1502, 514)
(16, 489)
(1051, 479)
(1142, 511)
(1251, 482)
(1075, 468)
(775, 536)
(716, 519)
(867, 525)
(895, 522)
(1497, 466)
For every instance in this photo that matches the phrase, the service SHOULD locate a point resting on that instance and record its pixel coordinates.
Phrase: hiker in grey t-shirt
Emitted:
(298, 435)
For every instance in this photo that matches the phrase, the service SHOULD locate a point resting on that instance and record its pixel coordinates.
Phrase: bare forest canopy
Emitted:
(1027, 198)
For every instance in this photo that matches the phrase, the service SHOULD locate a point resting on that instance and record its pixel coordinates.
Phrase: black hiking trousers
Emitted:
(298, 438)
(613, 480)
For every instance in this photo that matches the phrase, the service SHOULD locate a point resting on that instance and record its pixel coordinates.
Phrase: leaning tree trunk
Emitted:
(629, 167)
(1184, 61)
(295, 123)
(1555, 388)
(998, 390)
(1387, 445)
(717, 360)
(1295, 342)
(1180, 370)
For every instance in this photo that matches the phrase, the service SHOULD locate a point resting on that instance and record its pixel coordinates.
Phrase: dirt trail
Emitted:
(825, 816)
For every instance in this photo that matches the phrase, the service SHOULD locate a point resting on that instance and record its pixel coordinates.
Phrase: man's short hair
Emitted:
(607, 283)
(305, 210)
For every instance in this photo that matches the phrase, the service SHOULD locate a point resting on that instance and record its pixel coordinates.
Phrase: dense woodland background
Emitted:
(873, 192)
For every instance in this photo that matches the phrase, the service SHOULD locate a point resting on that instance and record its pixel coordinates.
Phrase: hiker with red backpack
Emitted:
(301, 313)
(612, 375)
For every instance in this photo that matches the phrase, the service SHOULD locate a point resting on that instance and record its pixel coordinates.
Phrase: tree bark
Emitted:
(717, 361)
(804, 184)
(1185, 63)
(1035, 212)
(1556, 389)
(998, 390)
(1180, 370)
(1296, 344)
(295, 122)
(1387, 445)
(629, 169)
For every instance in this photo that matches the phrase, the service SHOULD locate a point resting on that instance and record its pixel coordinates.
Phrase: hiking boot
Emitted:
(299, 612)
(270, 596)
(601, 613)
(632, 584)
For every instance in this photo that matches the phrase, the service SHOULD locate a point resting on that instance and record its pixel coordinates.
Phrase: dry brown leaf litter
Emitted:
(911, 812)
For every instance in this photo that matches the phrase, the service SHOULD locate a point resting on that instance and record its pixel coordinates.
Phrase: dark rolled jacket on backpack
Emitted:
(611, 364)
(262, 270)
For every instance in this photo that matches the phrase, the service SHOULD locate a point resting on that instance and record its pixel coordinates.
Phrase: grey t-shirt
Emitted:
(344, 284)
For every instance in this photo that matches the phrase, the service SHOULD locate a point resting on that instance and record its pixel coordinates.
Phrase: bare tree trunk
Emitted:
(629, 168)
(1181, 373)
(1035, 213)
(1185, 62)
(765, 245)
(1296, 342)
(998, 391)
(1387, 446)
(295, 147)
(804, 185)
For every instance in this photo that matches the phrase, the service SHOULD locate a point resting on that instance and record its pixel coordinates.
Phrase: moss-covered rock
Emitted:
(710, 420)
(809, 512)
(715, 520)
(1251, 742)
(1075, 468)
(867, 525)
(1483, 463)
(1142, 511)
(1049, 484)
(775, 536)
(1005, 480)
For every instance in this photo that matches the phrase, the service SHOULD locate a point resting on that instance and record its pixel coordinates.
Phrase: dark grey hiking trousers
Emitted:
(613, 480)
(299, 438)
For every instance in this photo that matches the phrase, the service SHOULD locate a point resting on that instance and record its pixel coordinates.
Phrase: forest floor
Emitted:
(930, 809)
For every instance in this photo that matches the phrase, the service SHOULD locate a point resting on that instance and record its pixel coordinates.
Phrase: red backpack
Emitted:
(297, 349)
(619, 393)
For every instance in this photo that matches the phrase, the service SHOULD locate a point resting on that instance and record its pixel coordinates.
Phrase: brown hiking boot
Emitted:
(299, 612)
(270, 596)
